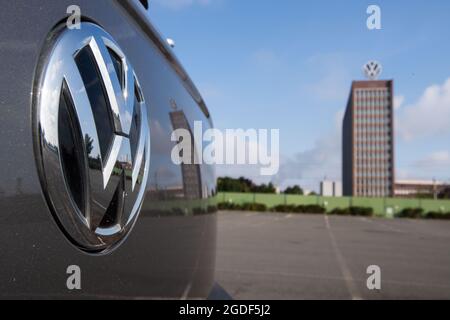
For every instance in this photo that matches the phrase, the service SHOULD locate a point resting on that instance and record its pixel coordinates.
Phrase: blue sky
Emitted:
(289, 64)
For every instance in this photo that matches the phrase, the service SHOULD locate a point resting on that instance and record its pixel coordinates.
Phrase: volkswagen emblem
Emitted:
(92, 137)
(372, 70)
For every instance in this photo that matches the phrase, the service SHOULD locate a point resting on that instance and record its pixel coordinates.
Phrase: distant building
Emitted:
(368, 140)
(331, 189)
(326, 188)
(414, 188)
(337, 189)
(277, 190)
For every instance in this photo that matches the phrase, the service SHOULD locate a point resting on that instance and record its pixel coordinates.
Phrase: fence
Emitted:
(381, 206)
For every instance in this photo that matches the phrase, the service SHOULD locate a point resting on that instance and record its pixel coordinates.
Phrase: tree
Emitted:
(89, 144)
(234, 185)
(444, 194)
(297, 190)
(269, 189)
(243, 185)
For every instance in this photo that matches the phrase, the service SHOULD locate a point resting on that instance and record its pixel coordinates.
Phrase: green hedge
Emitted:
(438, 215)
(353, 211)
(382, 206)
(242, 207)
(313, 209)
(412, 213)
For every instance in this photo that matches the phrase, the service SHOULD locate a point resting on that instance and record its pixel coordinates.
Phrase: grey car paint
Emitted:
(171, 251)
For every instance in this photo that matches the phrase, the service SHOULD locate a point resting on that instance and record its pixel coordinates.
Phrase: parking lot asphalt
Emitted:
(289, 256)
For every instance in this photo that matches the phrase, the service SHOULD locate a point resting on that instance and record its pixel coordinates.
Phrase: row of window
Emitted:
(374, 183)
(373, 124)
(362, 147)
(373, 163)
(371, 105)
(375, 157)
(375, 186)
(374, 104)
(372, 146)
(373, 170)
(374, 121)
(372, 93)
(371, 142)
(374, 151)
(364, 119)
(374, 131)
(373, 166)
(379, 123)
(364, 174)
(373, 135)
(373, 193)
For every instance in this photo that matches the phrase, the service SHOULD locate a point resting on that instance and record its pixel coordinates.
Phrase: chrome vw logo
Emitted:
(372, 70)
(93, 138)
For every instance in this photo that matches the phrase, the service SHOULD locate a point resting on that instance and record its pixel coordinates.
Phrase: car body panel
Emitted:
(170, 253)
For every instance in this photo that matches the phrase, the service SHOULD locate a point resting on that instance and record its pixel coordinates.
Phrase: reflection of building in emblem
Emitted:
(372, 70)
(192, 181)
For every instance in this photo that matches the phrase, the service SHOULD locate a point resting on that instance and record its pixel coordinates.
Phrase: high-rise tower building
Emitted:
(368, 140)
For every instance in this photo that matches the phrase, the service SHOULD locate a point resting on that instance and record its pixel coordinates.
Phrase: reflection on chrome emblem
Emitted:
(93, 137)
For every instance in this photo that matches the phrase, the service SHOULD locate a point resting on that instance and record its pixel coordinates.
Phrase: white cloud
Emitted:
(334, 86)
(306, 168)
(435, 165)
(429, 116)
(255, 145)
(266, 59)
(309, 167)
(181, 4)
(398, 102)
(436, 160)
(211, 92)
(334, 82)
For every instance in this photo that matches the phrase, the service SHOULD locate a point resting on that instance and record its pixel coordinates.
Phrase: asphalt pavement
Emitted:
(291, 256)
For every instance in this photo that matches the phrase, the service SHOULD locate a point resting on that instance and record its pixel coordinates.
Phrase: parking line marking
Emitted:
(382, 224)
(251, 214)
(349, 281)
